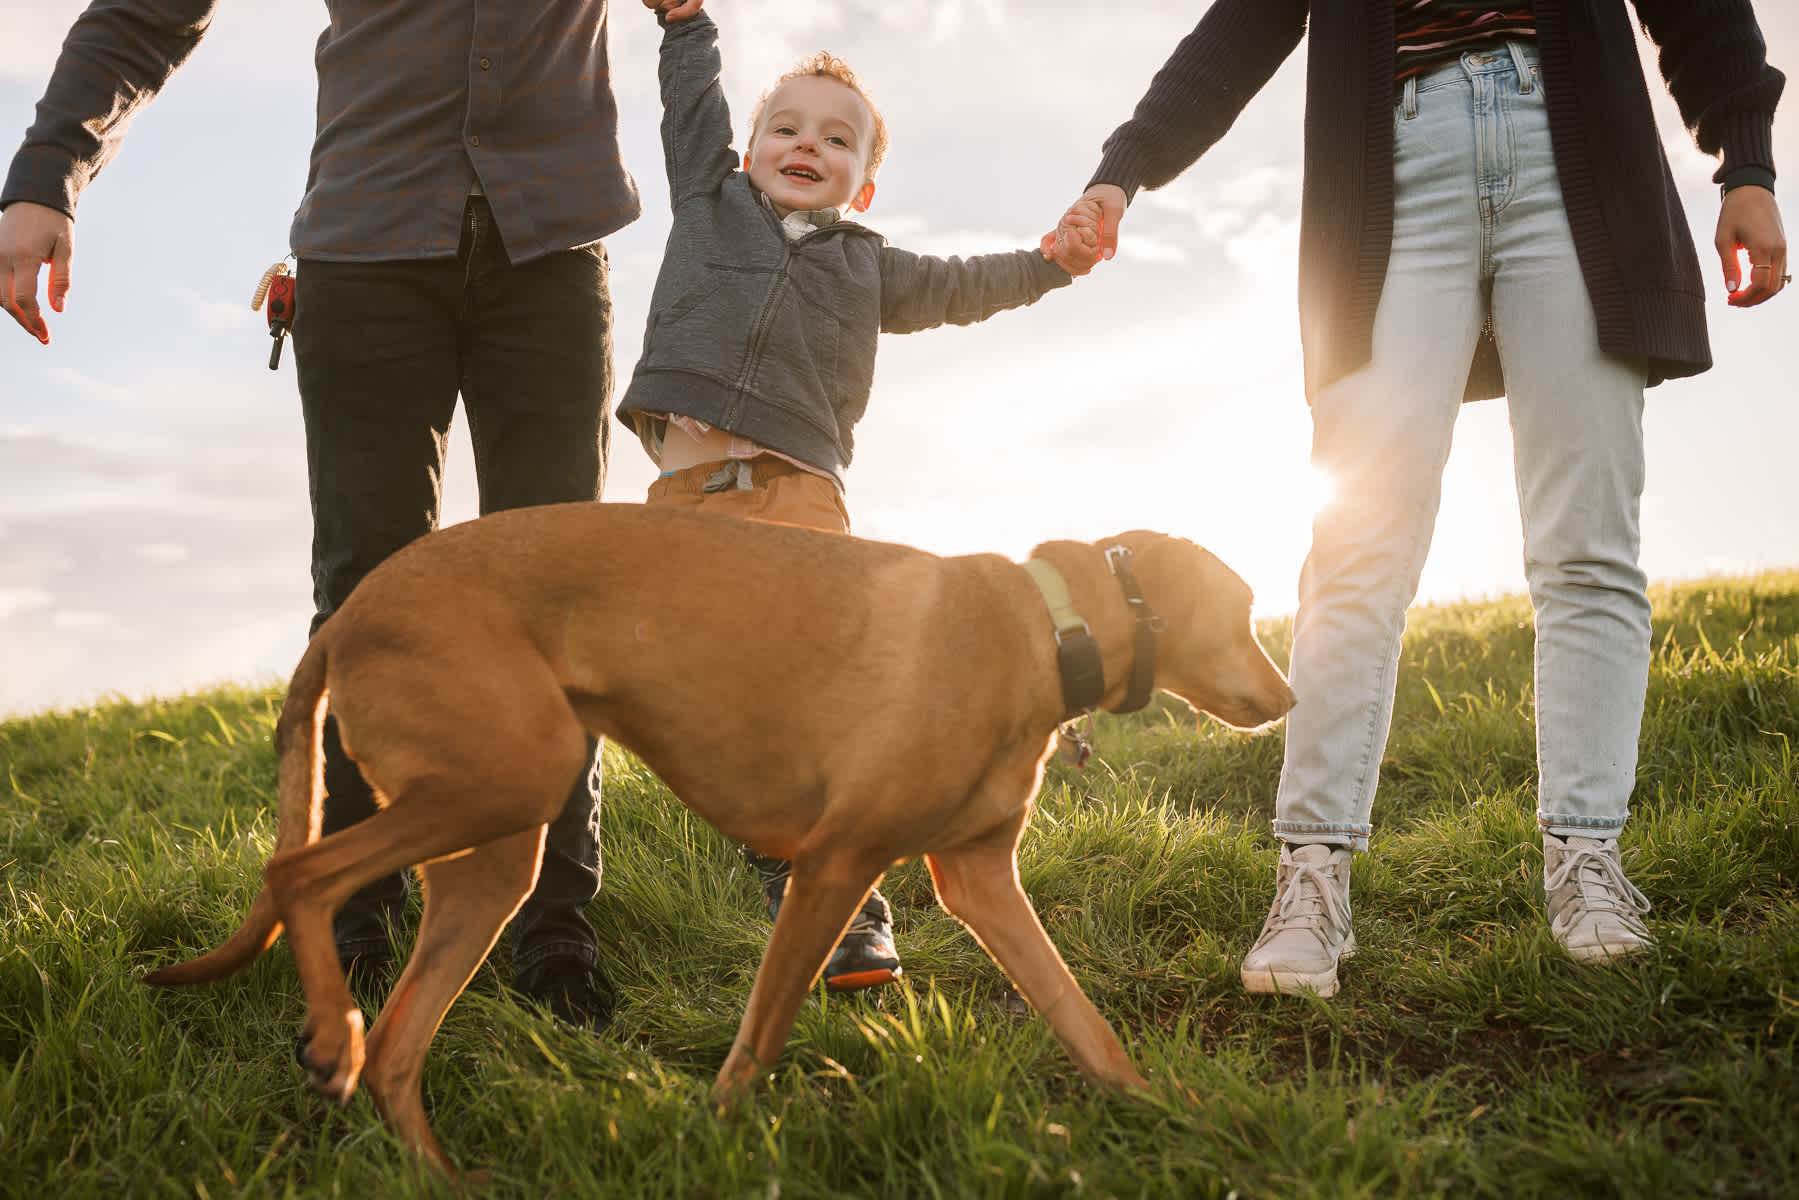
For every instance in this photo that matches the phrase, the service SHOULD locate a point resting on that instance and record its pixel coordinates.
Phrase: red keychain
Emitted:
(276, 287)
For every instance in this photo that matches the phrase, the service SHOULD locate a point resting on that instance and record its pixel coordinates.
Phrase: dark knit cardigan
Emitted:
(1636, 253)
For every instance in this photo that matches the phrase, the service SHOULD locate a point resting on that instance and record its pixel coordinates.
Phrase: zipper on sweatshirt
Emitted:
(758, 336)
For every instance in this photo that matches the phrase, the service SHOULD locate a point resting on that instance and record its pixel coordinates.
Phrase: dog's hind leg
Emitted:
(823, 894)
(429, 818)
(468, 901)
(978, 884)
(450, 788)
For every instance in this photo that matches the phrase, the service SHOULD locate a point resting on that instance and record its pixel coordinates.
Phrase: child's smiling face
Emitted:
(810, 148)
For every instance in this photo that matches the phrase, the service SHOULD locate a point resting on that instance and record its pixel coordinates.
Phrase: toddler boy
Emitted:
(758, 357)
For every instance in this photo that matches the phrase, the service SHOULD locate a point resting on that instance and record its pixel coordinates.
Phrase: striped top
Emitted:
(1429, 32)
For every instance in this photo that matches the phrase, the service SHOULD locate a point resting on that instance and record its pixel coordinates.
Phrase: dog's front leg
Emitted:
(822, 897)
(978, 884)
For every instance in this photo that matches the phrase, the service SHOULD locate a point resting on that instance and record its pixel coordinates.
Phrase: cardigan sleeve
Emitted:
(1715, 62)
(1199, 92)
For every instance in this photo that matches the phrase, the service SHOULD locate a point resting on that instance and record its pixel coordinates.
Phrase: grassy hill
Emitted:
(1464, 1056)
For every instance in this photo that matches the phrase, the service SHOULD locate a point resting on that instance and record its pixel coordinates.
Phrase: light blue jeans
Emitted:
(1479, 233)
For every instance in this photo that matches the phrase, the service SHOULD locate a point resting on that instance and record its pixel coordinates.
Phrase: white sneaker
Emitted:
(1307, 931)
(1594, 912)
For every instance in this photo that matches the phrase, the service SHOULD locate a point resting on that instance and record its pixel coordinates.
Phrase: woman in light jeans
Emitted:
(1479, 269)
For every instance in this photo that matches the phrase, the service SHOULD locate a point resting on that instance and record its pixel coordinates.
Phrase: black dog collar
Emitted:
(1143, 638)
(1077, 653)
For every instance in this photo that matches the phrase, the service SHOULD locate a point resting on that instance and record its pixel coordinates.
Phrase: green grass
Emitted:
(1464, 1056)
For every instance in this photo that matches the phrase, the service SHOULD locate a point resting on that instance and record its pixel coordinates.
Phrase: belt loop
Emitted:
(1408, 97)
(1526, 78)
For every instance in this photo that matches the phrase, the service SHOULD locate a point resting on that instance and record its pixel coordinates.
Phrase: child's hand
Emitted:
(675, 10)
(1075, 244)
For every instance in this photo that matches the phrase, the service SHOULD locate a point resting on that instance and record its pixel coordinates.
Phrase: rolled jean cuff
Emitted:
(1600, 828)
(543, 951)
(1311, 833)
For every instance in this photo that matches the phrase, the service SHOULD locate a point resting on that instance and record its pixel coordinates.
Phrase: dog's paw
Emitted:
(332, 1058)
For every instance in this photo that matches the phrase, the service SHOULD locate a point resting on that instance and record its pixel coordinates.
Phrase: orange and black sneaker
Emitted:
(865, 956)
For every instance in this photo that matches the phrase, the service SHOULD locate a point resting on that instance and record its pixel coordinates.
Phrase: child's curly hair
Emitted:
(831, 67)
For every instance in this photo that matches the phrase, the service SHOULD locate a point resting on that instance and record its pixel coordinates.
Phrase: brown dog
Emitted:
(841, 703)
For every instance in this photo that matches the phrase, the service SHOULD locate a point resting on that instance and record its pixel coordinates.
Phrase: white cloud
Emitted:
(33, 33)
(15, 600)
(1133, 247)
(162, 552)
(78, 619)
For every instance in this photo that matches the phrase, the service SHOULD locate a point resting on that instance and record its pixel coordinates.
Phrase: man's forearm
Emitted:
(118, 55)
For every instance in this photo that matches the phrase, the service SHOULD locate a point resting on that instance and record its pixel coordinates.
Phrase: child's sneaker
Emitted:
(772, 872)
(1594, 911)
(865, 956)
(1307, 931)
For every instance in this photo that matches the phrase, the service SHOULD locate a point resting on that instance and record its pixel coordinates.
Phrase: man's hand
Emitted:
(31, 235)
(675, 10)
(1749, 220)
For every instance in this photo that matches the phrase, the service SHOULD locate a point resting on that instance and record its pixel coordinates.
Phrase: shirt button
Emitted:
(486, 64)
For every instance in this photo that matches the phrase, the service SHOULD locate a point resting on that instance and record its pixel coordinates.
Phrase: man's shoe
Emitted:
(369, 971)
(573, 991)
(865, 956)
(1594, 911)
(1307, 932)
(363, 932)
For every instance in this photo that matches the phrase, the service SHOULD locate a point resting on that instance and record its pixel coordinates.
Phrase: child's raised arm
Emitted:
(696, 120)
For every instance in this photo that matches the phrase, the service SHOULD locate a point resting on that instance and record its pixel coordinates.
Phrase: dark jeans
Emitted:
(383, 351)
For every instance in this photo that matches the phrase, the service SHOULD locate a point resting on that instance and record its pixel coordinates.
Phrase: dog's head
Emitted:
(1207, 652)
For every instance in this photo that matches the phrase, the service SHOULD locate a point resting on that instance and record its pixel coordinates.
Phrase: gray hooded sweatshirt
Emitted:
(770, 338)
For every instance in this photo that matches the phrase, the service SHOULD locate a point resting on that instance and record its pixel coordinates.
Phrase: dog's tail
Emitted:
(300, 787)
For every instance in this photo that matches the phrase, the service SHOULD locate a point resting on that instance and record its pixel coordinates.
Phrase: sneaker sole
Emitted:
(1322, 984)
(1604, 952)
(855, 981)
(1290, 983)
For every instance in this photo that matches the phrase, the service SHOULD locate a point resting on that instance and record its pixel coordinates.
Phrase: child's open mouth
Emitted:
(801, 173)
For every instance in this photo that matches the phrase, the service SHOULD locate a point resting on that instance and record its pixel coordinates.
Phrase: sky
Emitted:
(154, 525)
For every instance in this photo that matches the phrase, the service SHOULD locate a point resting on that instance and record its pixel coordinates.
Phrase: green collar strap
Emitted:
(1077, 653)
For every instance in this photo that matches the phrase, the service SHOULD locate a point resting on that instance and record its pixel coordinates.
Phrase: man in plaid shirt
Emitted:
(465, 169)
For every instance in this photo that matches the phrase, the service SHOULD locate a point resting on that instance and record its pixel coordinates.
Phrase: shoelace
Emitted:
(1603, 887)
(872, 918)
(1306, 911)
(869, 919)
